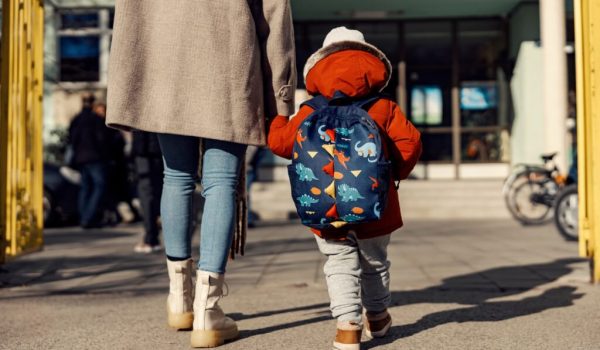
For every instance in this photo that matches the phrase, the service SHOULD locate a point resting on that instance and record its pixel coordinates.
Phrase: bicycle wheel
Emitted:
(566, 213)
(524, 208)
(514, 182)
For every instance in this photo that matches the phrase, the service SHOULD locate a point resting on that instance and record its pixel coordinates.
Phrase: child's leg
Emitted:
(342, 272)
(375, 276)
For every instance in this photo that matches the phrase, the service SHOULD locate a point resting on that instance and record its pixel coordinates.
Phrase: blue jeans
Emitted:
(220, 176)
(91, 194)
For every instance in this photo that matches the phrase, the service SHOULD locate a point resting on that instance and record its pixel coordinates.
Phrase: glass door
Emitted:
(427, 55)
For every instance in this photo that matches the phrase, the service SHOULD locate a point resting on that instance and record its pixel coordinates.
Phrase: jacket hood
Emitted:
(356, 73)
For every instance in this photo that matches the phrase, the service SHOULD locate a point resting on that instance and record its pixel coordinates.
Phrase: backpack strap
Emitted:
(339, 98)
(366, 102)
(316, 102)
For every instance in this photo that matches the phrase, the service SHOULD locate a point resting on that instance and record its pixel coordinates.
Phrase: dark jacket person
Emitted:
(88, 137)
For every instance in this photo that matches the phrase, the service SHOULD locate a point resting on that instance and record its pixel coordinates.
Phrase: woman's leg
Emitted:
(180, 155)
(220, 176)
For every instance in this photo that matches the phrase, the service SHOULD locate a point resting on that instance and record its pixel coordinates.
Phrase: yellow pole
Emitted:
(587, 36)
(21, 164)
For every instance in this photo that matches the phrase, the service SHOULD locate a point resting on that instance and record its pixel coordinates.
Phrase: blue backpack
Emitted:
(339, 174)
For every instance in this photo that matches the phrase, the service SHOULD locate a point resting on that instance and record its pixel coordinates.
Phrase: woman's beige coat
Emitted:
(208, 68)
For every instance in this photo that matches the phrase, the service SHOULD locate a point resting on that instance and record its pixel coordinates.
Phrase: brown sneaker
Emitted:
(377, 324)
(347, 336)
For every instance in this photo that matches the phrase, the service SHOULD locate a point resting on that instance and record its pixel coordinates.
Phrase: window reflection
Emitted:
(426, 105)
(79, 58)
(482, 146)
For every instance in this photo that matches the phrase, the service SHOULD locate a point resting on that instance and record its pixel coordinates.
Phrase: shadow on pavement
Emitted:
(82, 275)
(319, 316)
(477, 288)
(471, 289)
(81, 236)
(240, 316)
(281, 246)
(484, 312)
(82, 270)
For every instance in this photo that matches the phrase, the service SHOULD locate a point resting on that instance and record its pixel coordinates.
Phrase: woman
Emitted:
(210, 70)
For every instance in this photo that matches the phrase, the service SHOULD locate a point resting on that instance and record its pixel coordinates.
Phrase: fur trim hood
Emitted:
(340, 39)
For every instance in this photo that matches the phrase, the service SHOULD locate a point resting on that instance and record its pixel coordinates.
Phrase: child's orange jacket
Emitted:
(357, 73)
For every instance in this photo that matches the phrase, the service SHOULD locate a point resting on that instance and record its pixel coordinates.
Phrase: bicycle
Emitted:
(566, 209)
(531, 190)
(566, 213)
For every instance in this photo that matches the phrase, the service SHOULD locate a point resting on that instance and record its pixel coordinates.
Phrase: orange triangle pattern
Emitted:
(332, 212)
(328, 169)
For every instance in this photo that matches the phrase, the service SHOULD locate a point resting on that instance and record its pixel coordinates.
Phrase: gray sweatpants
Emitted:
(357, 273)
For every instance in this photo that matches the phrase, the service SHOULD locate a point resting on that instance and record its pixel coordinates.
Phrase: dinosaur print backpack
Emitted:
(339, 174)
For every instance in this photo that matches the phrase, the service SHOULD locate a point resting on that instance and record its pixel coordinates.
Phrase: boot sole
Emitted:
(180, 321)
(342, 346)
(212, 338)
(378, 334)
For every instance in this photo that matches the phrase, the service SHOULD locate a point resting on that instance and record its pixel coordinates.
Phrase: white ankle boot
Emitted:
(180, 313)
(211, 326)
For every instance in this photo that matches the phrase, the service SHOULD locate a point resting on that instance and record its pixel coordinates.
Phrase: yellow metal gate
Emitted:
(587, 32)
(21, 90)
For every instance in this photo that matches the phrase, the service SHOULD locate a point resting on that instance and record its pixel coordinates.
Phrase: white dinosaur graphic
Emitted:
(323, 134)
(368, 150)
(377, 210)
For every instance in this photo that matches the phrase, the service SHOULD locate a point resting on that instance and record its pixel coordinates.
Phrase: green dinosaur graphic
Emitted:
(352, 218)
(304, 173)
(306, 200)
(348, 194)
(344, 131)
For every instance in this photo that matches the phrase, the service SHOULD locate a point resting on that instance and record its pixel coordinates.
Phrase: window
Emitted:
(78, 21)
(83, 37)
(479, 104)
(426, 105)
(79, 58)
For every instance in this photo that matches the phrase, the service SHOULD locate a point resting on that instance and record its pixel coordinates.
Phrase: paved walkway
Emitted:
(456, 285)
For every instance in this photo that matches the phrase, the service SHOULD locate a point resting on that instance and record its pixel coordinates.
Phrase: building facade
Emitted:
(469, 77)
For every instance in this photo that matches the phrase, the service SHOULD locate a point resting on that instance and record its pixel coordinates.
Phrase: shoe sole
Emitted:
(180, 321)
(212, 338)
(379, 334)
(342, 346)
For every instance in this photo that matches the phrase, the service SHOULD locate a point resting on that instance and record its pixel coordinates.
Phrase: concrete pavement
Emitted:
(478, 284)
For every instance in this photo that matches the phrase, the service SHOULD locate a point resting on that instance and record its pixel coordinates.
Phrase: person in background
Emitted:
(118, 203)
(88, 137)
(148, 164)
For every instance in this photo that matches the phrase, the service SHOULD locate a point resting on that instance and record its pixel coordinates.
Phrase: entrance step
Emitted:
(434, 199)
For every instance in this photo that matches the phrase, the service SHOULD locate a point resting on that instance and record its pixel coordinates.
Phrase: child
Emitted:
(357, 269)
